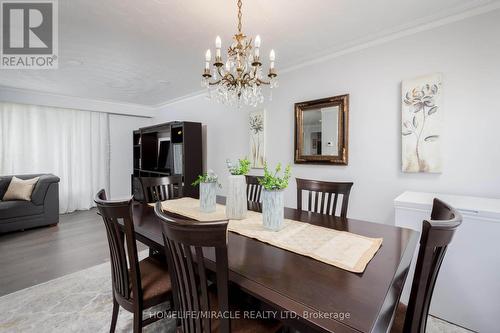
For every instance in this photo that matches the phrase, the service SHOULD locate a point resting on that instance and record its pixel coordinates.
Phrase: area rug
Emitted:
(78, 302)
(82, 302)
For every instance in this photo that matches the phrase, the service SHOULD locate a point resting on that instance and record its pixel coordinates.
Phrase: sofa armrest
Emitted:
(41, 187)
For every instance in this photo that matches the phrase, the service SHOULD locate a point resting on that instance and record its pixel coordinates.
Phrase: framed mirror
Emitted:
(321, 131)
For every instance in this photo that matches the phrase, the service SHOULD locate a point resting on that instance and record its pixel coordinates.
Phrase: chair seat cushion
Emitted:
(242, 325)
(399, 319)
(11, 209)
(156, 283)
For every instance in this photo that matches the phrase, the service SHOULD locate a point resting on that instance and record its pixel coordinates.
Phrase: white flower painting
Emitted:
(257, 121)
(421, 124)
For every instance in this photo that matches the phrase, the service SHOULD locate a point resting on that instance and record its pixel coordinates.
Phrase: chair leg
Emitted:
(114, 318)
(138, 322)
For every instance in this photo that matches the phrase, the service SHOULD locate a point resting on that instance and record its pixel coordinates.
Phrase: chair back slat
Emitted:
(325, 198)
(184, 242)
(161, 188)
(437, 234)
(122, 244)
(254, 189)
(323, 192)
(203, 289)
(328, 203)
(335, 200)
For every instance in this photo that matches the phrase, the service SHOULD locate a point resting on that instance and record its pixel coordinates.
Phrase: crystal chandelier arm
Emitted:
(259, 82)
(229, 79)
(222, 76)
(219, 71)
(214, 83)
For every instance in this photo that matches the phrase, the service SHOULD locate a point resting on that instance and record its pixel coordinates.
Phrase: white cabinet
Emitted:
(467, 290)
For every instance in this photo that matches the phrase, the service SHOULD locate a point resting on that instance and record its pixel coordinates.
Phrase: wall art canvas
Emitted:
(421, 124)
(256, 125)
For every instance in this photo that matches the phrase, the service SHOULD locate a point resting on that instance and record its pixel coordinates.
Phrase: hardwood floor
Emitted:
(38, 255)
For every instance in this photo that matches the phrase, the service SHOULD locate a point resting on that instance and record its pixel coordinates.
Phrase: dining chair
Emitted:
(254, 189)
(330, 192)
(137, 285)
(161, 188)
(437, 234)
(184, 241)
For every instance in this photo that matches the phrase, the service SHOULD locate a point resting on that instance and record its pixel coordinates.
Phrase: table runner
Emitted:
(342, 249)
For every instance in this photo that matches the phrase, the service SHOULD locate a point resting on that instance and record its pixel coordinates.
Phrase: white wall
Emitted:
(468, 55)
(121, 149)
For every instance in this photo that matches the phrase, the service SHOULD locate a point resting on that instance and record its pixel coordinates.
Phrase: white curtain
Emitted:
(71, 144)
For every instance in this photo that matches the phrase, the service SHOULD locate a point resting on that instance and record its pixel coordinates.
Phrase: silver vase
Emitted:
(273, 207)
(236, 202)
(207, 197)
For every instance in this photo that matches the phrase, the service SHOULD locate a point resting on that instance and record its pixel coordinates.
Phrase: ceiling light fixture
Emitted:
(240, 78)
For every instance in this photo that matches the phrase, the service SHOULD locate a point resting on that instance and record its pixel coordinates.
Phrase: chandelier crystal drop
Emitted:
(240, 78)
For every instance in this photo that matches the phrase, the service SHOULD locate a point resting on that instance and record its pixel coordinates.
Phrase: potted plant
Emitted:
(208, 183)
(272, 196)
(236, 202)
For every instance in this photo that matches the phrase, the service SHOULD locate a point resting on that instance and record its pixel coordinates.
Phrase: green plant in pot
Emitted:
(236, 202)
(208, 183)
(273, 204)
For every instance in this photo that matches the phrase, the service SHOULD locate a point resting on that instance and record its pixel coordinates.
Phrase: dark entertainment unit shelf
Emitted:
(173, 148)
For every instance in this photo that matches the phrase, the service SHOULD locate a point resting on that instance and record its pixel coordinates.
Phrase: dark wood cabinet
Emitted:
(173, 148)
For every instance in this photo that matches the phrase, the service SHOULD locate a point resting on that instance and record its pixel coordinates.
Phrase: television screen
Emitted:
(164, 148)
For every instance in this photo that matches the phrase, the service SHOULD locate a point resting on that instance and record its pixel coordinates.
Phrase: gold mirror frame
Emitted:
(342, 102)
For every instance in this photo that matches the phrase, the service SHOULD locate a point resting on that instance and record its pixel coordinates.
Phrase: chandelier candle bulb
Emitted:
(218, 44)
(272, 56)
(208, 56)
(257, 41)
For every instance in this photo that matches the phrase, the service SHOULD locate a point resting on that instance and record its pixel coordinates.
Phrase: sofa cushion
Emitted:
(40, 190)
(20, 189)
(10, 209)
(4, 183)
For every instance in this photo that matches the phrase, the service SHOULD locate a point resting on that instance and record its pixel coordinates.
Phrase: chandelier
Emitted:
(240, 78)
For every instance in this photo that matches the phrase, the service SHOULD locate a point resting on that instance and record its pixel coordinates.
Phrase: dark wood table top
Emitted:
(315, 291)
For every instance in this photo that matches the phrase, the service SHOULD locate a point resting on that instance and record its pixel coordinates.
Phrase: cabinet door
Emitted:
(178, 158)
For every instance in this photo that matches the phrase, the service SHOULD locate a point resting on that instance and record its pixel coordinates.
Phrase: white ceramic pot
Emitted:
(236, 202)
(273, 208)
(207, 197)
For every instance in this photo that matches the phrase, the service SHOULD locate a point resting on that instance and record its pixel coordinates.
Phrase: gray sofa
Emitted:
(43, 209)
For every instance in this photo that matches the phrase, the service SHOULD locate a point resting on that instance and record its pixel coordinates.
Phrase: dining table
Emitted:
(312, 295)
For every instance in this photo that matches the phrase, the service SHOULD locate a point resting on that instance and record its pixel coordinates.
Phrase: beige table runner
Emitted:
(338, 248)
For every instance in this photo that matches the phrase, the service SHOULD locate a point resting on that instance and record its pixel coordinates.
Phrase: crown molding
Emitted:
(379, 39)
(27, 96)
(395, 35)
(179, 99)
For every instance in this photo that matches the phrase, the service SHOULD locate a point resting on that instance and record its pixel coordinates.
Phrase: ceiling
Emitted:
(151, 51)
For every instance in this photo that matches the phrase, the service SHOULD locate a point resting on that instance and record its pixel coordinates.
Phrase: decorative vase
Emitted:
(207, 197)
(236, 204)
(273, 207)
